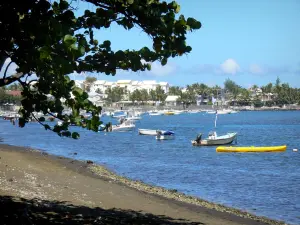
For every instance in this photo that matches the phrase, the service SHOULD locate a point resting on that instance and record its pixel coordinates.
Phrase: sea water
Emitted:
(266, 184)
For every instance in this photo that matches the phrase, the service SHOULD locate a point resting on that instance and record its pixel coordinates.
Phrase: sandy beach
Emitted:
(37, 188)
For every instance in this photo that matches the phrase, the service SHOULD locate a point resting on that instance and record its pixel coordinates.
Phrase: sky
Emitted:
(249, 42)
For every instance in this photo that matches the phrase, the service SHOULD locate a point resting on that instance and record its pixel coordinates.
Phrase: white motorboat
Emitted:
(148, 132)
(211, 111)
(214, 139)
(125, 126)
(166, 135)
(155, 113)
(177, 112)
(234, 111)
(224, 111)
(193, 111)
(133, 118)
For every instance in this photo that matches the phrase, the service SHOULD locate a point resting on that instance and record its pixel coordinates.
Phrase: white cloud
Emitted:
(256, 69)
(230, 66)
(158, 70)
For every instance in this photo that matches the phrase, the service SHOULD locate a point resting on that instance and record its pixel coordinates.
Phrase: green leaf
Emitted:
(45, 52)
(69, 39)
(164, 61)
(77, 91)
(130, 2)
(75, 135)
(42, 119)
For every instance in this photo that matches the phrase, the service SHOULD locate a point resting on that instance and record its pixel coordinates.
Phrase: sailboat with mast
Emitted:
(214, 139)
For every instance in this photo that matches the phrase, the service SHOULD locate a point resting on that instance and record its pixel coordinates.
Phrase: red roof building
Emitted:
(14, 93)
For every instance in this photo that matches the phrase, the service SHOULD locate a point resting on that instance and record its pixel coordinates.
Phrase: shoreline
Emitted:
(101, 173)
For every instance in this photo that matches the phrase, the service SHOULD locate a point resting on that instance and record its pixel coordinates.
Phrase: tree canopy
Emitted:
(48, 42)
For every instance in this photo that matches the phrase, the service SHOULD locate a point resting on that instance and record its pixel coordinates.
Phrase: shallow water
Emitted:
(265, 184)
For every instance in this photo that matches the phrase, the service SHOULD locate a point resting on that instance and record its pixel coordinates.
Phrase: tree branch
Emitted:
(39, 121)
(7, 69)
(96, 3)
(11, 79)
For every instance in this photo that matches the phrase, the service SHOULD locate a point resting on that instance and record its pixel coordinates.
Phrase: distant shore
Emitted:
(28, 173)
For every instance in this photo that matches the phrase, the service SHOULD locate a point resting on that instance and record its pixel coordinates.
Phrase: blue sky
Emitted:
(250, 42)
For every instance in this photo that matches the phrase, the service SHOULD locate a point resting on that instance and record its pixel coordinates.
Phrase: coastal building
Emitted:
(171, 100)
(15, 93)
(79, 83)
(265, 97)
(101, 86)
(96, 98)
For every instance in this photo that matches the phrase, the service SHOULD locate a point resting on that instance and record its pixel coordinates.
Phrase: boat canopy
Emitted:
(168, 133)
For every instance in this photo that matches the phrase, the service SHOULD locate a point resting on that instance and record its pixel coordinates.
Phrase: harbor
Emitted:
(178, 165)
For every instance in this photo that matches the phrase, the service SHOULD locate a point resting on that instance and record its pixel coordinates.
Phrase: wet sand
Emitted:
(49, 188)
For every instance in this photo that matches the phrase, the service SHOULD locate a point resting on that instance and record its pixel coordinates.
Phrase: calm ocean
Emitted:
(265, 184)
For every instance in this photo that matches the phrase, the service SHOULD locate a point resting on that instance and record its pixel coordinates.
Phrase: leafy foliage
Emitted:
(47, 42)
(88, 82)
(114, 94)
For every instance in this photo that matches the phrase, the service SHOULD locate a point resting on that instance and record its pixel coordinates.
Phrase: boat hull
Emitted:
(123, 128)
(221, 140)
(155, 114)
(135, 118)
(169, 113)
(281, 148)
(165, 137)
(148, 132)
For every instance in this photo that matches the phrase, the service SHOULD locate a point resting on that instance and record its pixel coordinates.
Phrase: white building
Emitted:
(171, 100)
(129, 85)
(79, 83)
(96, 98)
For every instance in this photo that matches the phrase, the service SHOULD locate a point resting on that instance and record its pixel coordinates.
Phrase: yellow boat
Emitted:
(169, 113)
(281, 148)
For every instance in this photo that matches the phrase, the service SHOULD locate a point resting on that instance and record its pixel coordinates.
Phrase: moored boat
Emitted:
(125, 126)
(211, 111)
(214, 139)
(148, 132)
(280, 148)
(169, 113)
(155, 113)
(133, 118)
(166, 135)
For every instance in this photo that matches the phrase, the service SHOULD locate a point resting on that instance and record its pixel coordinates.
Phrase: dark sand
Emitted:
(37, 188)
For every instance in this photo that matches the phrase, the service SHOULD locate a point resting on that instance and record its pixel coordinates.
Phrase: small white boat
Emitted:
(155, 113)
(166, 135)
(133, 118)
(148, 132)
(193, 111)
(234, 111)
(224, 111)
(177, 112)
(211, 111)
(119, 116)
(126, 126)
(214, 139)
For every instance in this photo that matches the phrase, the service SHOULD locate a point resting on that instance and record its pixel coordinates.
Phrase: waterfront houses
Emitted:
(101, 86)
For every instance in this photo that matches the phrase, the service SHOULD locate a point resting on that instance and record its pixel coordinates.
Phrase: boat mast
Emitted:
(216, 118)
